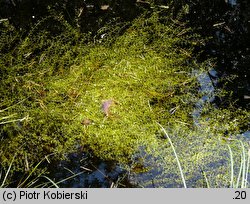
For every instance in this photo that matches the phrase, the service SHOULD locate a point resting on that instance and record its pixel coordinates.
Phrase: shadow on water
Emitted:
(81, 170)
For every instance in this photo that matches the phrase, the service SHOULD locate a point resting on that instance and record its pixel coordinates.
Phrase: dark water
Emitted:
(81, 170)
(88, 15)
(228, 22)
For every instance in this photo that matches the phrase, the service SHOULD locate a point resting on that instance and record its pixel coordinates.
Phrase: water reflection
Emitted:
(207, 82)
(232, 2)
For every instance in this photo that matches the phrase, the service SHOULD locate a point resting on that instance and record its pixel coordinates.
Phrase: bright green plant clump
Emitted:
(65, 92)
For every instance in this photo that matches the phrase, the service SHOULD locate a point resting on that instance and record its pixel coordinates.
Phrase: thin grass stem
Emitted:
(176, 156)
(7, 173)
(232, 167)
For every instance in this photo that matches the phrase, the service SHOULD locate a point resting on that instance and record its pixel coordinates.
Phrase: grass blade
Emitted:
(247, 168)
(232, 167)
(54, 184)
(176, 156)
(243, 166)
(7, 173)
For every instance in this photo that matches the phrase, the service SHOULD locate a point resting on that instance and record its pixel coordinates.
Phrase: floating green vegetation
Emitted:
(60, 91)
(193, 159)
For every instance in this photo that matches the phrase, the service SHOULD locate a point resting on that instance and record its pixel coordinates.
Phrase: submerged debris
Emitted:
(106, 106)
(86, 122)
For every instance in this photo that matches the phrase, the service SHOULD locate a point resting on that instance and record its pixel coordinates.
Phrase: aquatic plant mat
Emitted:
(63, 90)
(204, 162)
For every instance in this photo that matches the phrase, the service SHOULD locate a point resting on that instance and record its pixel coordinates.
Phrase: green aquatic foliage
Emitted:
(56, 84)
(59, 90)
(194, 158)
